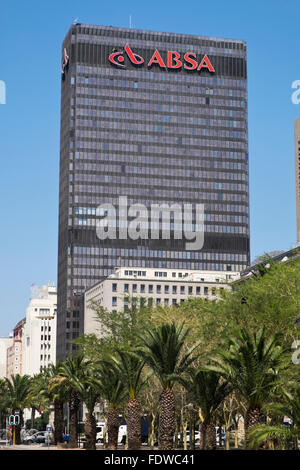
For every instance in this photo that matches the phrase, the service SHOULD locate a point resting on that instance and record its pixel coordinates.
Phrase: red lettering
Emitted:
(174, 56)
(189, 60)
(135, 59)
(206, 64)
(116, 56)
(156, 59)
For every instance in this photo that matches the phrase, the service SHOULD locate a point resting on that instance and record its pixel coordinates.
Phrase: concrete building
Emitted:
(154, 118)
(5, 343)
(39, 339)
(14, 353)
(163, 287)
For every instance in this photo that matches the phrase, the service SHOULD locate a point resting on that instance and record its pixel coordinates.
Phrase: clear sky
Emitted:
(31, 34)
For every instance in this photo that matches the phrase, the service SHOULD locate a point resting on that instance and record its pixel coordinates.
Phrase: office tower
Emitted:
(153, 118)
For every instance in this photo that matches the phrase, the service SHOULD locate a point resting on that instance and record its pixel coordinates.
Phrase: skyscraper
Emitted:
(153, 118)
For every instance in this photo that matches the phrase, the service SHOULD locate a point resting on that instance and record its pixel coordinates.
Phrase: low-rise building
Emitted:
(5, 343)
(151, 286)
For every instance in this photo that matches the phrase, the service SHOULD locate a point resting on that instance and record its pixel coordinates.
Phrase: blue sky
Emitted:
(31, 33)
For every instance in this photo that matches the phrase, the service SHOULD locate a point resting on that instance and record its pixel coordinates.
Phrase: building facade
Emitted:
(39, 338)
(151, 287)
(5, 343)
(151, 118)
(14, 353)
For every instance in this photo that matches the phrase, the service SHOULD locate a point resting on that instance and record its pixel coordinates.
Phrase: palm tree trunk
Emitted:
(208, 436)
(74, 407)
(253, 417)
(18, 428)
(90, 432)
(58, 423)
(113, 428)
(32, 417)
(167, 419)
(134, 428)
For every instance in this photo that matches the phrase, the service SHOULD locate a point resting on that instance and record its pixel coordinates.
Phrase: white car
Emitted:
(100, 433)
(197, 436)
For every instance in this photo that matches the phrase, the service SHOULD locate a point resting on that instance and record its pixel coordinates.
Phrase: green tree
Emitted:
(38, 394)
(208, 390)
(68, 381)
(112, 390)
(163, 351)
(286, 435)
(58, 393)
(18, 398)
(251, 364)
(3, 402)
(129, 367)
(89, 389)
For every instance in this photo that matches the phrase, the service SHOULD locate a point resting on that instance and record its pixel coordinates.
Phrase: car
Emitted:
(28, 439)
(38, 437)
(197, 436)
(3, 434)
(100, 433)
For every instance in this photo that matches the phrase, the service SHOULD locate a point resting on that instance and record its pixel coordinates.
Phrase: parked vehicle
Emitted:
(41, 436)
(100, 433)
(37, 437)
(3, 434)
(197, 437)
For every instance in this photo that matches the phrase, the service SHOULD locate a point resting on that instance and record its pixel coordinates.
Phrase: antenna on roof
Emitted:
(75, 21)
(130, 22)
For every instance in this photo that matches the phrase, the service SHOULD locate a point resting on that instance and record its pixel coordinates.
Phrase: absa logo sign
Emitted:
(174, 60)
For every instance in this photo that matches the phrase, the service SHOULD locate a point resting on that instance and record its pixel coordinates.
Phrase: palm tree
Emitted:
(286, 436)
(130, 366)
(89, 389)
(112, 390)
(58, 394)
(18, 390)
(3, 401)
(38, 394)
(163, 352)
(208, 390)
(251, 364)
(69, 378)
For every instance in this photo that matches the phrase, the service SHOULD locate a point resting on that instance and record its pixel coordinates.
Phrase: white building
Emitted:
(39, 338)
(5, 343)
(163, 287)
